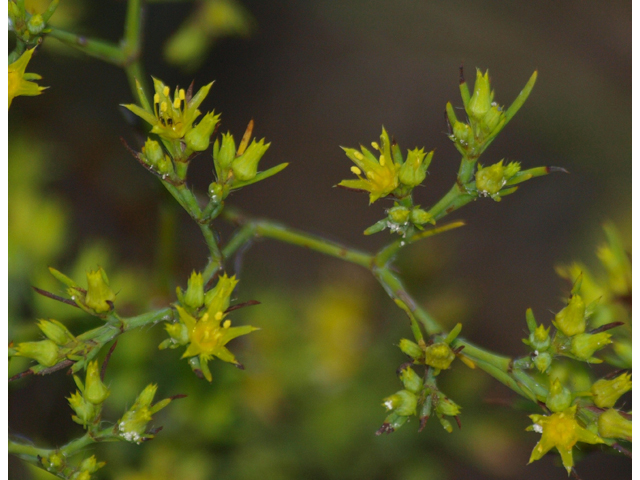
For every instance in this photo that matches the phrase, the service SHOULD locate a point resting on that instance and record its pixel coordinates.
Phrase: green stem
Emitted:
(133, 28)
(106, 51)
(212, 245)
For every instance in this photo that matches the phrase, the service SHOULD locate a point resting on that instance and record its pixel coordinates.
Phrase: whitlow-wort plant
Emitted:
(593, 327)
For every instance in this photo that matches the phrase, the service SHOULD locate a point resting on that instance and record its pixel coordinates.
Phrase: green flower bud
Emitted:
(218, 298)
(55, 331)
(134, 422)
(613, 425)
(216, 192)
(197, 139)
(489, 180)
(98, 291)
(491, 119)
(178, 332)
(420, 217)
(95, 391)
(81, 475)
(411, 348)
(86, 411)
(245, 167)
(36, 24)
(225, 155)
(399, 215)
(45, 352)
(462, 133)
(446, 406)
(411, 380)
(539, 339)
(559, 398)
(91, 464)
(414, 169)
(542, 361)
(607, 392)
(403, 403)
(480, 101)
(54, 461)
(584, 345)
(439, 355)
(194, 296)
(153, 152)
(570, 320)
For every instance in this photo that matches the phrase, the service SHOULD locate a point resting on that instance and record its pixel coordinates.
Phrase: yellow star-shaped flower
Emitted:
(19, 83)
(562, 431)
(173, 117)
(378, 176)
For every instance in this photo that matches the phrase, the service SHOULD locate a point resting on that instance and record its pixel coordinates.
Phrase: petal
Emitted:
(187, 319)
(233, 332)
(356, 184)
(586, 436)
(142, 113)
(224, 354)
(567, 459)
(540, 450)
(191, 351)
(198, 98)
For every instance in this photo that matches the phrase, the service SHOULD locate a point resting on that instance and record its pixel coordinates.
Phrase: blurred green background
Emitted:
(315, 75)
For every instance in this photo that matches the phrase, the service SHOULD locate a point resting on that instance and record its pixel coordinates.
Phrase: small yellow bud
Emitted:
(570, 320)
(439, 355)
(584, 345)
(559, 397)
(98, 291)
(403, 403)
(607, 392)
(45, 352)
(411, 380)
(95, 391)
(611, 424)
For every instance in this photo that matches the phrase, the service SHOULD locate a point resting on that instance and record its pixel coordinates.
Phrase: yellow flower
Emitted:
(562, 431)
(380, 175)
(173, 117)
(19, 83)
(209, 334)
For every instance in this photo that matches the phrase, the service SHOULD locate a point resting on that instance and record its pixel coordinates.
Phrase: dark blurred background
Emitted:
(316, 75)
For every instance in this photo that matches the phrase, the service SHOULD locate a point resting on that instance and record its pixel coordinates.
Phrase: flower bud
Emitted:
(420, 217)
(55, 331)
(45, 352)
(411, 348)
(197, 139)
(559, 397)
(607, 392)
(194, 296)
(153, 152)
(446, 424)
(95, 391)
(439, 355)
(462, 133)
(613, 425)
(90, 464)
(570, 320)
(134, 422)
(399, 215)
(584, 345)
(414, 169)
(85, 411)
(403, 403)
(480, 101)
(542, 361)
(36, 24)
(98, 291)
(489, 180)
(539, 339)
(216, 192)
(491, 119)
(245, 167)
(178, 332)
(218, 298)
(225, 154)
(54, 462)
(448, 407)
(411, 380)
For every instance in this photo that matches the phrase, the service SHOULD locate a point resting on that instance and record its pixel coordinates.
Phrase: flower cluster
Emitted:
(202, 325)
(421, 396)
